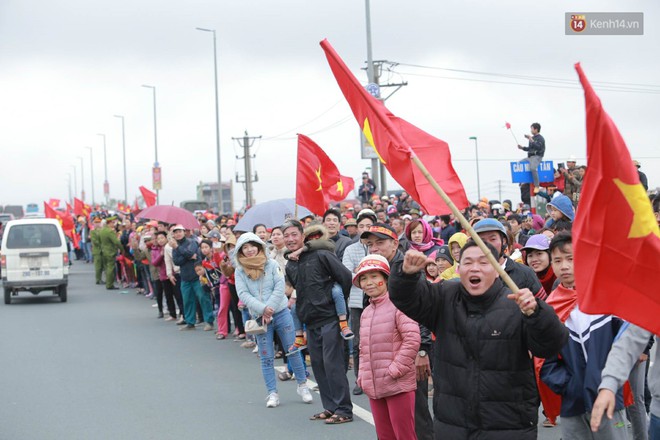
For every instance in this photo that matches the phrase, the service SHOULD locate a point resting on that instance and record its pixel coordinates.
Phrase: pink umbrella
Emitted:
(169, 214)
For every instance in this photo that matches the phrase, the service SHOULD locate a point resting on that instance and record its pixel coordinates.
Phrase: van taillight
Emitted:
(3, 261)
(65, 259)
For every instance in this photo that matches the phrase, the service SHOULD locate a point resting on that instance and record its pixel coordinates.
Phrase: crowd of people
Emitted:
(410, 304)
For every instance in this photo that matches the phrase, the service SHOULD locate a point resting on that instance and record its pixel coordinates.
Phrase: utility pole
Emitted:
(106, 185)
(247, 143)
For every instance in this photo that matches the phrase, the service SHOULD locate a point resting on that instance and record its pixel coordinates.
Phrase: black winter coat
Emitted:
(483, 376)
(313, 276)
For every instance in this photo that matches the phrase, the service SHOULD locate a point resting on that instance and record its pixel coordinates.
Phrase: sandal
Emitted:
(284, 376)
(278, 355)
(325, 415)
(338, 419)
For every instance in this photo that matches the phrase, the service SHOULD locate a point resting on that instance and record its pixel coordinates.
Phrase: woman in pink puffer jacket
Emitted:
(389, 342)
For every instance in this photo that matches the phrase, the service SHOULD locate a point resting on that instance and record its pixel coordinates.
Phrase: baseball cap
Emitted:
(178, 227)
(371, 263)
(350, 222)
(214, 234)
(380, 230)
(539, 242)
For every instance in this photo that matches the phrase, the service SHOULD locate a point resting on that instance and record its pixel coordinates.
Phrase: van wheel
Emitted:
(7, 295)
(62, 293)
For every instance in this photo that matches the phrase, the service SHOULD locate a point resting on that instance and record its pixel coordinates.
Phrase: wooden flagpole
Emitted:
(466, 225)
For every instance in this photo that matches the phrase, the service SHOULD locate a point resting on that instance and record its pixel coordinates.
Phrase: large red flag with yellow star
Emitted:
(317, 179)
(396, 141)
(616, 236)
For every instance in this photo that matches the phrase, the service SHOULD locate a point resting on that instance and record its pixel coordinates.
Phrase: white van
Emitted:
(34, 257)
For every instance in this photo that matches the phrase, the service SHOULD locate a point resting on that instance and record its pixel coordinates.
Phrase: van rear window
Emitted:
(33, 237)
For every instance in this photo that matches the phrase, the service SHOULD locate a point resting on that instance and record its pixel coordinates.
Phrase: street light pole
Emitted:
(153, 89)
(82, 179)
(123, 143)
(91, 167)
(376, 167)
(217, 117)
(75, 181)
(69, 181)
(106, 185)
(476, 153)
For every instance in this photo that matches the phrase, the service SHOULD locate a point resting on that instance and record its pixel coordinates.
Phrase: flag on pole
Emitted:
(81, 208)
(396, 141)
(65, 219)
(614, 228)
(317, 178)
(148, 196)
(54, 203)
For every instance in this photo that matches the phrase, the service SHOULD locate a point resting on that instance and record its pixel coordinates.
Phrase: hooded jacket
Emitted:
(388, 346)
(268, 289)
(562, 204)
(483, 377)
(460, 239)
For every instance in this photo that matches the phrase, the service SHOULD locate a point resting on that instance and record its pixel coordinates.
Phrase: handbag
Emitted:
(252, 326)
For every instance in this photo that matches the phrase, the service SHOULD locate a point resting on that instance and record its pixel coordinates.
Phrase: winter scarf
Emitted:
(428, 241)
(253, 266)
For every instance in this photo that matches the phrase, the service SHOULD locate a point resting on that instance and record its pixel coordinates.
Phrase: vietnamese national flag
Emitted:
(616, 236)
(79, 207)
(148, 196)
(317, 178)
(396, 140)
(65, 219)
(54, 203)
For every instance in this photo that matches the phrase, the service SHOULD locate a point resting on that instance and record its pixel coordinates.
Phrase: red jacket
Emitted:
(389, 342)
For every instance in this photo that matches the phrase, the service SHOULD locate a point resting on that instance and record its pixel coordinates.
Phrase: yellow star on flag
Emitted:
(340, 187)
(644, 222)
(318, 176)
(366, 129)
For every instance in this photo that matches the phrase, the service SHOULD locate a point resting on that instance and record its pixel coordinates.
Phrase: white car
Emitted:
(34, 258)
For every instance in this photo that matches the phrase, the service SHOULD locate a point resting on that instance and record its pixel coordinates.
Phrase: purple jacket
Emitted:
(158, 261)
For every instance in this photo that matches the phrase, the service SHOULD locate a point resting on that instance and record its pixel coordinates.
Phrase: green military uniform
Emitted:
(97, 254)
(109, 246)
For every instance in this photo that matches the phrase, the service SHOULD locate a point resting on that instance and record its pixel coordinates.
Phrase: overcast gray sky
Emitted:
(69, 65)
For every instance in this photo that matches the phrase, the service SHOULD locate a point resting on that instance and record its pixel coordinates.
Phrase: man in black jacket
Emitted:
(382, 239)
(332, 222)
(483, 377)
(535, 151)
(313, 276)
(493, 232)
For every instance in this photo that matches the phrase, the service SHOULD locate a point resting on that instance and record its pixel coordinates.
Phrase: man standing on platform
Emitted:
(535, 151)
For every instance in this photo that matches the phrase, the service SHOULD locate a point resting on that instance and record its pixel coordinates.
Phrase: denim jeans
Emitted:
(654, 428)
(87, 249)
(283, 325)
(534, 162)
(191, 290)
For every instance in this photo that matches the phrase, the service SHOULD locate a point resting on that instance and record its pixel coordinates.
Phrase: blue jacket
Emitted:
(268, 290)
(575, 373)
(183, 257)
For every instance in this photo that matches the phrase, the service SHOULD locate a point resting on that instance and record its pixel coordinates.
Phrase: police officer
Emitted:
(109, 246)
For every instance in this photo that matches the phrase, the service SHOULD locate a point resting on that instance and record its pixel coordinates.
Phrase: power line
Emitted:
(306, 123)
(535, 78)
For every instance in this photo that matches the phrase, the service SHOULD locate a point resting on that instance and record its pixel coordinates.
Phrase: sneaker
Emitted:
(154, 305)
(357, 391)
(187, 327)
(255, 350)
(347, 333)
(303, 391)
(208, 327)
(272, 400)
(548, 424)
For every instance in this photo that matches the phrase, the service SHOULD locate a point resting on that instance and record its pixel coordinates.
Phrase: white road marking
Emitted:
(357, 409)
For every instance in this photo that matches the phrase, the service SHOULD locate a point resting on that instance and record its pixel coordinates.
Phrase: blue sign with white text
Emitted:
(521, 173)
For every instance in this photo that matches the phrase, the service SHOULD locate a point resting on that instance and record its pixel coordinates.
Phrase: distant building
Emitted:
(208, 192)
